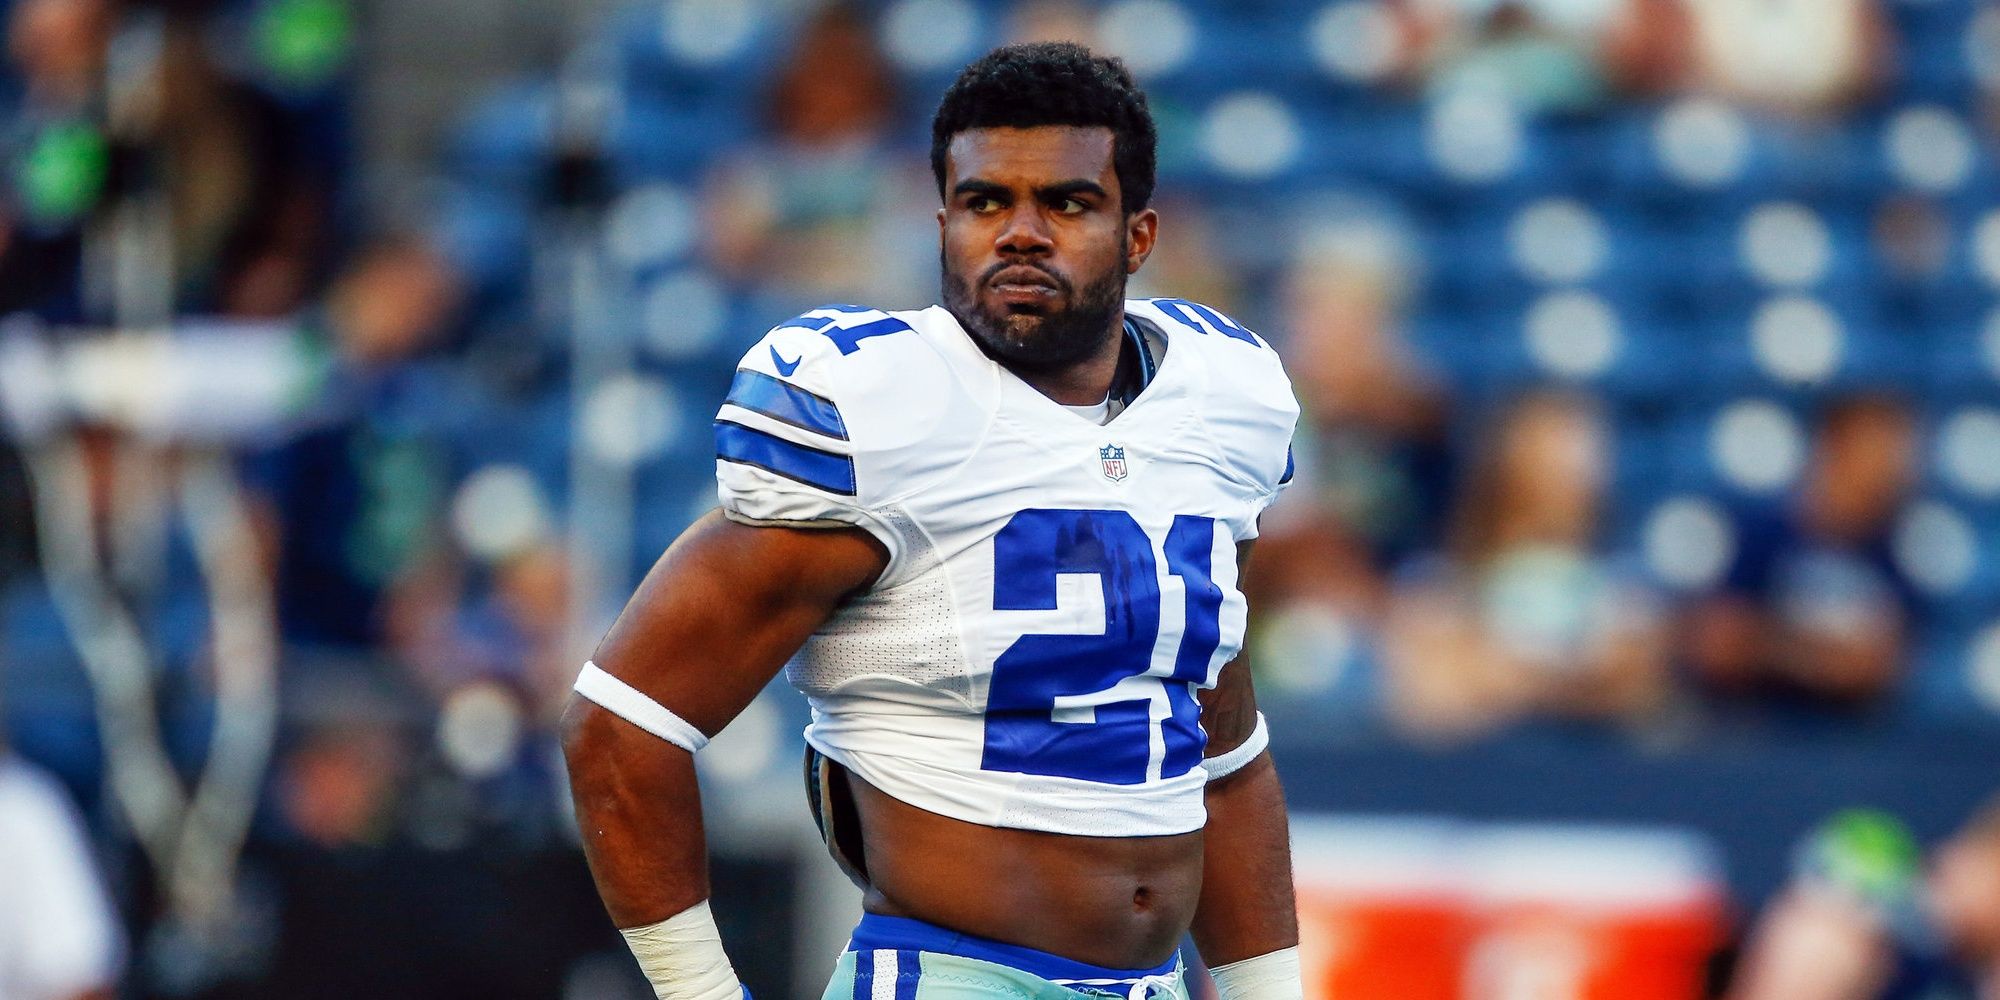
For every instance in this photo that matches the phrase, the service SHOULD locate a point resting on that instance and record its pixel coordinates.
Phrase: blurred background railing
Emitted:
(358, 356)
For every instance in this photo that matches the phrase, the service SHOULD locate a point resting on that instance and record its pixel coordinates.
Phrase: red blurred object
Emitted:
(1415, 910)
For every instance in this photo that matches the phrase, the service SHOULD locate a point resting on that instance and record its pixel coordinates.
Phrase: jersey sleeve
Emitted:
(1260, 416)
(818, 430)
(1251, 412)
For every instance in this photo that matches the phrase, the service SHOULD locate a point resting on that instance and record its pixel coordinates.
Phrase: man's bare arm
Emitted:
(712, 623)
(1248, 907)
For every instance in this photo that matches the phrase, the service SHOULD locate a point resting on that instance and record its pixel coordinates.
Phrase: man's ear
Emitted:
(1140, 232)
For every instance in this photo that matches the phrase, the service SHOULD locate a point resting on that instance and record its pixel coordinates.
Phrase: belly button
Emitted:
(1142, 898)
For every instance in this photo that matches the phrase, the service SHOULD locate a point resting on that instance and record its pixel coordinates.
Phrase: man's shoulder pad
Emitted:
(860, 383)
(1249, 405)
(1186, 315)
(1236, 358)
(840, 350)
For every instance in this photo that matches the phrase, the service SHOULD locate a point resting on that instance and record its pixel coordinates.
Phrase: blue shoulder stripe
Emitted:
(822, 470)
(1289, 468)
(781, 400)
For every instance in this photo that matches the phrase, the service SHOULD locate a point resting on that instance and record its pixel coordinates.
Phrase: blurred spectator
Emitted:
(1372, 455)
(1803, 56)
(59, 939)
(1548, 55)
(1537, 56)
(1912, 238)
(820, 211)
(56, 154)
(517, 631)
(339, 787)
(1859, 923)
(353, 499)
(532, 603)
(1526, 612)
(1050, 21)
(1373, 452)
(499, 915)
(58, 48)
(1814, 605)
(246, 212)
(1194, 264)
(249, 215)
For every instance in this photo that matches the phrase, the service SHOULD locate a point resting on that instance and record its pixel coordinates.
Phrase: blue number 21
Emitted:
(1038, 673)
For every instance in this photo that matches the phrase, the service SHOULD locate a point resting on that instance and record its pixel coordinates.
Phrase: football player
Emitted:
(996, 545)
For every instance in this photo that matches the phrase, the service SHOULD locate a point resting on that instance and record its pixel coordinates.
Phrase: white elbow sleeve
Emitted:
(683, 959)
(1223, 765)
(1271, 976)
(629, 703)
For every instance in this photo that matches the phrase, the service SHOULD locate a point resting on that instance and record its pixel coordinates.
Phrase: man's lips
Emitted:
(1022, 284)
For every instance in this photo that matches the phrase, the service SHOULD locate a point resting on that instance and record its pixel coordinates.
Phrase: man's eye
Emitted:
(981, 204)
(1071, 206)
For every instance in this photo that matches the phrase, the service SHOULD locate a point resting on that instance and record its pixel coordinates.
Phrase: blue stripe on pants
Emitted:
(909, 969)
(864, 975)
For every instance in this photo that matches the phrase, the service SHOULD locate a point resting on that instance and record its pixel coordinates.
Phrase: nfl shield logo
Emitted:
(1113, 457)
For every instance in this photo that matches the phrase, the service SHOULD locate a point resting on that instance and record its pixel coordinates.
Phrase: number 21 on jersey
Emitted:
(1053, 707)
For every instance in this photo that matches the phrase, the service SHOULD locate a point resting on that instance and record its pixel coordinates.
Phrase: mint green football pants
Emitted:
(884, 974)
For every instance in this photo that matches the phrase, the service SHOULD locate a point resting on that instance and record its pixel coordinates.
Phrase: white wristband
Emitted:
(682, 957)
(631, 704)
(1271, 976)
(1223, 765)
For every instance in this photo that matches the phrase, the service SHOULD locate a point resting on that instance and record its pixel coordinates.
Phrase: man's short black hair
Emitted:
(1053, 83)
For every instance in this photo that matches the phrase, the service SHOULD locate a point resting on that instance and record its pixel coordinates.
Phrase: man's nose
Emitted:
(1026, 232)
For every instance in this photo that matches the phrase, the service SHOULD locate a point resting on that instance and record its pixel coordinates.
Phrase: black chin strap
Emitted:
(1136, 364)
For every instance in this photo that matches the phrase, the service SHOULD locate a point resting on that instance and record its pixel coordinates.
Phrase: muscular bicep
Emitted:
(726, 606)
(1229, 710)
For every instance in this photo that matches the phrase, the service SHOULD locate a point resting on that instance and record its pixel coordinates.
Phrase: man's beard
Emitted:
(1045, 341)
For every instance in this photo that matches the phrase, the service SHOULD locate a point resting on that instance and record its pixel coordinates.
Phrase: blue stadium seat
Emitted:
(929, 41)
(1941, 687)
(655, 140)
(533, 433)
(506, 141)
(40, 655)
(1452, 343)
(1642, 473)
(1796, 359)
(1959, 360)
(668, 496)
(486, 235)
(1376, 143)
(1227, 50)
(1930, 51)
(697, 59)
(1822, 160)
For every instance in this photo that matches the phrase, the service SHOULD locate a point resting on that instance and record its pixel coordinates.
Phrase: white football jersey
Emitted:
(1057, 590)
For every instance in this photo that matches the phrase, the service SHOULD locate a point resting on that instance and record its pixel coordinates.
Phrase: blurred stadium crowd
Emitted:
(1649, 349)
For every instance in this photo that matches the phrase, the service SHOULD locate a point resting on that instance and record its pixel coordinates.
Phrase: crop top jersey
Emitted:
(1057, 591)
